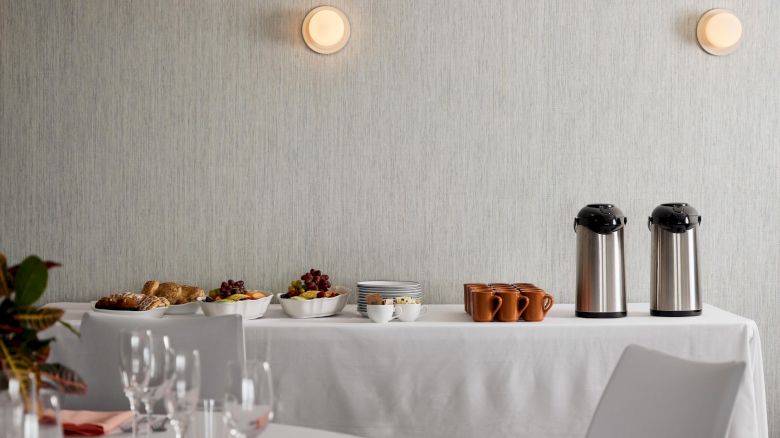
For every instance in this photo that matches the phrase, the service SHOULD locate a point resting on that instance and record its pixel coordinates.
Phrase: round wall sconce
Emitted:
(719, 32)
(326, 29)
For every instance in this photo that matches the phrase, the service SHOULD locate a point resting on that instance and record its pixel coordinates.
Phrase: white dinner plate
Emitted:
(385, 284)
(363, 299)
(154, 313)
(393, 291)
(386, 294)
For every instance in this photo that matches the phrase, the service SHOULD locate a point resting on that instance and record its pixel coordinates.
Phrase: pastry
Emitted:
(175, 293)
(191, 293)
(150, 287)
(149, 302)
(131, 301)
(171, 291)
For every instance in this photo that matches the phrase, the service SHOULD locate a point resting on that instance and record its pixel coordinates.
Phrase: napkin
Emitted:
(91, 423)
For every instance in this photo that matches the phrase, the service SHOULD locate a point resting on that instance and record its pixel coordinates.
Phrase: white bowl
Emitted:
(190, 308)
(248, 309)
(314, 308)
(154, 313)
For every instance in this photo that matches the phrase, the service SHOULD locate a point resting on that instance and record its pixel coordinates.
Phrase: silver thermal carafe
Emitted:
(674, 271)
(601, 273)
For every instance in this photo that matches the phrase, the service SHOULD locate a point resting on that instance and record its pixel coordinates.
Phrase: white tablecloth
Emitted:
(272, 431)
(445, 375)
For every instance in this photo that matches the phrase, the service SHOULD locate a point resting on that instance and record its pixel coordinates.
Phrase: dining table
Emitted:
(446, 375)
(274, 430)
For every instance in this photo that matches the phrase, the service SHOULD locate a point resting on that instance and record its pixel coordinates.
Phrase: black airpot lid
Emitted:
(601, 218)
(677, 217)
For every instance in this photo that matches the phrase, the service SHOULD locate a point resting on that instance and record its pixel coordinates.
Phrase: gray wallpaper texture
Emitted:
(449, 142)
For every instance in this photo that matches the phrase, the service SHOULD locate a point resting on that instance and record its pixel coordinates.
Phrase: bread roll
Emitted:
(191, 293)
(171, 291)
(150, 287)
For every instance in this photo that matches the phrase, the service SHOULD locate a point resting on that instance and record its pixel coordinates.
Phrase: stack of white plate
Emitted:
(388, 289)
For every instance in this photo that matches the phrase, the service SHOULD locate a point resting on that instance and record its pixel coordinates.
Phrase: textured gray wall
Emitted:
(449, 142)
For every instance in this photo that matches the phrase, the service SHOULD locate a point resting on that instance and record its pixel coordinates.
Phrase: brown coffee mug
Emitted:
(513, 305)
(524, 285)
(539, 303)
(484, 305)
(467, 294)
(472, 289)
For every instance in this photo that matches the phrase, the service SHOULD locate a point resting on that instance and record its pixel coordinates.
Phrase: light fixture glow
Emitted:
(326, 29)
(719, 32)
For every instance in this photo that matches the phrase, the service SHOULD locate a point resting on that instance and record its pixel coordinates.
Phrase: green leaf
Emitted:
(67, 379)
(30, 281)
(16, 365)
(37, 318)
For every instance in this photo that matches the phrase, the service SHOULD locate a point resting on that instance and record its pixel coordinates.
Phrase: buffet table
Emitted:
(445, 375)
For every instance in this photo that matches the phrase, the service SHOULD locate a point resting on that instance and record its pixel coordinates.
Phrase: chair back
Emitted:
(218, 340)
(652, 394)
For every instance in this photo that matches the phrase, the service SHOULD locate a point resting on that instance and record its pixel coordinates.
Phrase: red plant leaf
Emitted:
(68, 381)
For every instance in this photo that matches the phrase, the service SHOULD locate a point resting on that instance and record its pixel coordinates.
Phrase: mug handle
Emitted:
(547, 303)
(499, 300)
(423, 310)
(521, 307)
(397, 311)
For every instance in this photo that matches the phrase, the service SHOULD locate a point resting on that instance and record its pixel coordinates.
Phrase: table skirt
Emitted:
(445, 375)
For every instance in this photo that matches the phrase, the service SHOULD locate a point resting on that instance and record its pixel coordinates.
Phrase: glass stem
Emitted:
(134, 411)
(182, 429)
(148, 407)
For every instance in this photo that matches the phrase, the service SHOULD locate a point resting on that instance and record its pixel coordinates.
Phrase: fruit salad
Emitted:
(231, 291)
(313, 284)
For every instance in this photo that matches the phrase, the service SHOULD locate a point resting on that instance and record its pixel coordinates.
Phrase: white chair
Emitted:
(651, 395)
(218, 339)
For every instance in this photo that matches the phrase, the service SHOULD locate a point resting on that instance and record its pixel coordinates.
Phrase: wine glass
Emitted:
(135, 360)
(49, 423)
(41, 408)
(249, 398)
(161, 374)
(181, 396)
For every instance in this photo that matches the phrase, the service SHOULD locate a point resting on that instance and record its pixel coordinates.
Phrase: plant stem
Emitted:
(22, 378)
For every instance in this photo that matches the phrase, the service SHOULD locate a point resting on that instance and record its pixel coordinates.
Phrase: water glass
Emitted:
(249, 398)
(182, 395)
(49, 424)
(211, 424)
(161, 374)
(41, 411)
(135, 362)
(11, 410)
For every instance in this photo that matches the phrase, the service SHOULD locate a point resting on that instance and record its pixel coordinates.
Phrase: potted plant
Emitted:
(22, 353)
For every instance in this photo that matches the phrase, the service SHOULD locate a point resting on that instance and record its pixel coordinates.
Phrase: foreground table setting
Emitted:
(445, 375)
(272, 431)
